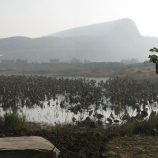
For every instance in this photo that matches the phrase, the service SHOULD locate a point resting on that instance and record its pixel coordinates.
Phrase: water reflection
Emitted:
(52, 113)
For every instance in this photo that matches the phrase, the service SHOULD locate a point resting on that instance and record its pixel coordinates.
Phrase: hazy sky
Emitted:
(35, 18)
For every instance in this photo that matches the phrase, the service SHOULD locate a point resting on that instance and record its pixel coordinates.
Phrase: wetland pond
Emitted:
(74, 99)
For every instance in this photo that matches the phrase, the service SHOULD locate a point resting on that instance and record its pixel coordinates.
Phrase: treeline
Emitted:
(67, 69)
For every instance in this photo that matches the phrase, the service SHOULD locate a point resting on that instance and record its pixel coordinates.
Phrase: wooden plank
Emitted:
(27, 144)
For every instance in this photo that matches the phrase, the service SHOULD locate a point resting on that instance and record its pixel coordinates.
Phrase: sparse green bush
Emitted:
(13, 121)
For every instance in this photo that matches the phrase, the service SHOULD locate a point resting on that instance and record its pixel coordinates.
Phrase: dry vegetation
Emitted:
(94, 69)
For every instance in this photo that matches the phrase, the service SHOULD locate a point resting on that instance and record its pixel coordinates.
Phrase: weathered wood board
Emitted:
(27, 147)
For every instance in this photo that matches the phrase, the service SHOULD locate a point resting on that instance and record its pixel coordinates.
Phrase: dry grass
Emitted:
(127, 155)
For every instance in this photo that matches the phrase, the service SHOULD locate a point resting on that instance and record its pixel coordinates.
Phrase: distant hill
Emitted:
(110, 41)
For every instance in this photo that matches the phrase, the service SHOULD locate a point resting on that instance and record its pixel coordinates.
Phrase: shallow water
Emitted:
(53, 114)
(97, 79)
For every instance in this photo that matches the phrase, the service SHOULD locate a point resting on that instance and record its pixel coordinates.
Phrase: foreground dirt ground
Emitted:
(133, 147)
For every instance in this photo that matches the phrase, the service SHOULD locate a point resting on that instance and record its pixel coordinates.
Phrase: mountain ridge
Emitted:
(109, 41)
(109, 26)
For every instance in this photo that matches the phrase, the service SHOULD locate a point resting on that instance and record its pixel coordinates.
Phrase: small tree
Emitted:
(154, 58)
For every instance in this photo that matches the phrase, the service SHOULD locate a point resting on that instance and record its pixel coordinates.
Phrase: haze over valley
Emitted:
(104, 42)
